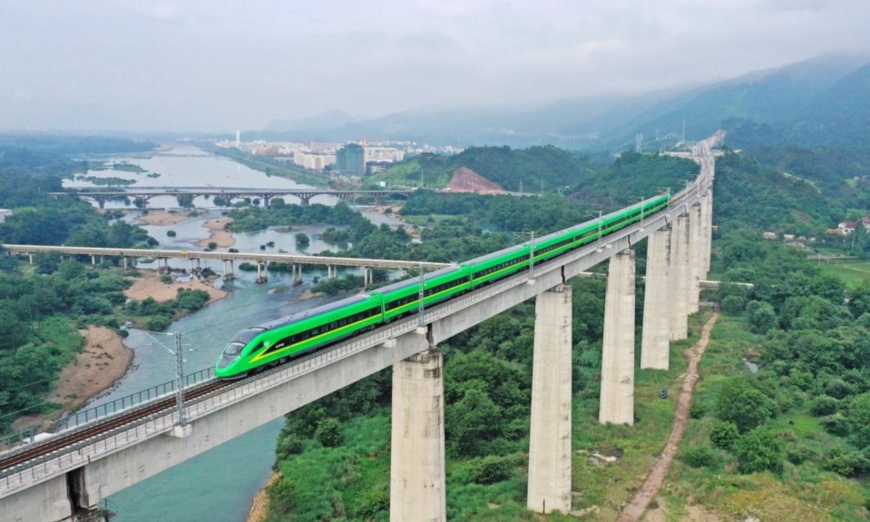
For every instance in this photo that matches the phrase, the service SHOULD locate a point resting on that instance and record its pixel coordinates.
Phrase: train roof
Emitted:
(317, 310)
(404, 283)
(494, 255)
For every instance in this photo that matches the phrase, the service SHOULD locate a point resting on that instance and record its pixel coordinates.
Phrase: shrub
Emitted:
(733, 304)
(328, 433)
(490, 470)
(170, 233)
(372, 504)
(823, 405)
(759, 450)
(724, 435)
(800, 455)
(166, 279)
(835, 424)
(699, 456)
(745, 406)
(282, 495)
(697, 410)
(845, 463)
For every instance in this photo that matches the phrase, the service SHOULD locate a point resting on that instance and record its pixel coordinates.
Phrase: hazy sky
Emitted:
(214, 65)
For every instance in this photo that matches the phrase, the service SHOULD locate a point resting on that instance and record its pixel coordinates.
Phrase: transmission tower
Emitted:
(638, 142)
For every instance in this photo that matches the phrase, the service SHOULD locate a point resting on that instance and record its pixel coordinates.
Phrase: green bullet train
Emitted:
(278, 341)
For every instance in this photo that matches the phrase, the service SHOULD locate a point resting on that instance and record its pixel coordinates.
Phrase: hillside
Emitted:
(797, 96)
(528, 170)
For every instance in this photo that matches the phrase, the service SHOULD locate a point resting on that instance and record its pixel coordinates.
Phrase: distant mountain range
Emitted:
(821, 101)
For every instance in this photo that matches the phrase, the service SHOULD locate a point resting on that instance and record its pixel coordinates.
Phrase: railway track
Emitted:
(46, 448)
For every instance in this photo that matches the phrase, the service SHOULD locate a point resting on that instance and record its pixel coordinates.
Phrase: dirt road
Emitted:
(656, 476)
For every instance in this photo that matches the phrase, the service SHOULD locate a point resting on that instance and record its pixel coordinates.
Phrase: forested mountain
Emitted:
(837, 117)
(810, 97)
(537, 169)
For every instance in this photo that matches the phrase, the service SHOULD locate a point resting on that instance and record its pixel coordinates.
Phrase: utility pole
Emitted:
(532, 256)
(179, 379)
(422, 316)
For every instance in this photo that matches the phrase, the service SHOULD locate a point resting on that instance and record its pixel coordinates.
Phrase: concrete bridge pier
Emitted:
(617, 361)
(164, 269)
(679, 278)
(367, 277)
(417, 483)
(331, 272)
(550, 438)
(229, 274)
(93, 260)
(262, 276)
(707, 230)
(304, 199)
(654, 347)
(695, 258)
(295, 274)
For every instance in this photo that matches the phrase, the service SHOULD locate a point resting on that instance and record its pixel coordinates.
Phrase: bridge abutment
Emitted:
(550, 437)
(654, 348)
(417, 480)
(617, 360)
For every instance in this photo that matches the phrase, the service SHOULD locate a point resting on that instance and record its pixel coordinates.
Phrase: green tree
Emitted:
(743, 405)
(759, 450)
(471, 423)
(724, 435)
(328, 433)
(763, 318)
(859, 419)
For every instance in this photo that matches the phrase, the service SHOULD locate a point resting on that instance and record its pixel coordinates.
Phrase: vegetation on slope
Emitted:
(536, 169)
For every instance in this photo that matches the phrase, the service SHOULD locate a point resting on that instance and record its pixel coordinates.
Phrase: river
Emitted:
(218, 485)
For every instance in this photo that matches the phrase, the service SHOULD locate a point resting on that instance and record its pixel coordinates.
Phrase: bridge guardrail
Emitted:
(87, 416)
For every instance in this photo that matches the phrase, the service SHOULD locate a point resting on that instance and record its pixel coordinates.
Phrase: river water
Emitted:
(217, 485)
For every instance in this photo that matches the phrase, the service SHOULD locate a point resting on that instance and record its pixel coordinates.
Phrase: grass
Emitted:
(803, 492)
(852, 273)
(608, 486)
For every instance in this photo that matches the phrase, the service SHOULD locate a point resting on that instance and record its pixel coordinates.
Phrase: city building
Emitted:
(350, 160)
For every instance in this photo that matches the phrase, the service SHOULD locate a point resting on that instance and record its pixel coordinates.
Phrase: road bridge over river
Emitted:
(265, 195)
(262, 260)
(69, 472)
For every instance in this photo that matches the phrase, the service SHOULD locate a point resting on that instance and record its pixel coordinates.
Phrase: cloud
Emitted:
(223, 64)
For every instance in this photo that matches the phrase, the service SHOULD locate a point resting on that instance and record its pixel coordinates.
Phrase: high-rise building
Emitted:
(238, 138)
(350, 160)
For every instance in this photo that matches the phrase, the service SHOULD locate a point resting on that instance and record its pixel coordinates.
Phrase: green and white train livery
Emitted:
(277, 341)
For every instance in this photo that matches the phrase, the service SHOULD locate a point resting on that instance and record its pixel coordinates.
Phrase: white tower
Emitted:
(238, 138)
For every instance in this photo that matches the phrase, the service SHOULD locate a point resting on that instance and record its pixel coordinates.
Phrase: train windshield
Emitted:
(234, 349)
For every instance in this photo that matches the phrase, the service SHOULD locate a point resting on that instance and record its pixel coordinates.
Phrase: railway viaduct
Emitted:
(63, 477)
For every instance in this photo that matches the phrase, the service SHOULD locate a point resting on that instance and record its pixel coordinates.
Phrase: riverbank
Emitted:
(260, 504)
(103, 360)
(150, 285)
(219, 235)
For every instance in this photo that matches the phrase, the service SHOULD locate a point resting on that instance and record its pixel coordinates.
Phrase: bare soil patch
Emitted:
(162, 218)
(466, 180)
(260, 504)
(103, 361)
(221, 237)
(656, 475)
(149, 285)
